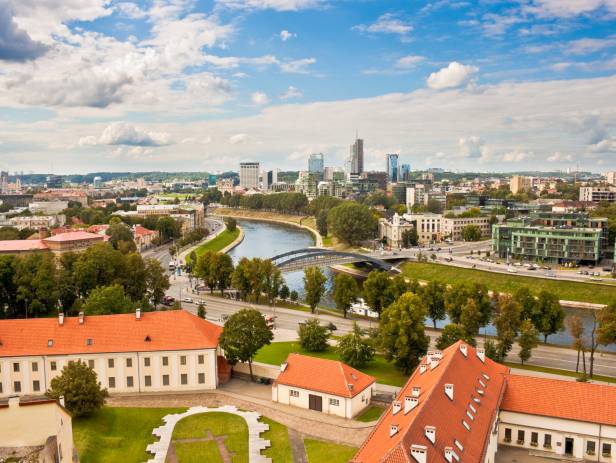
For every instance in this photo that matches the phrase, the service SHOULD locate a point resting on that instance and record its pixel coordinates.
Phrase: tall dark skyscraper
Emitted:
(356, 157)
(391, 167)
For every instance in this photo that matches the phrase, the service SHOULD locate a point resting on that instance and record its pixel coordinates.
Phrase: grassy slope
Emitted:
(372, 413)
(278, 435)
(118, 434)
(221, 241)
(566, 290)
(327, 452)
(556, 371)
(384, 372)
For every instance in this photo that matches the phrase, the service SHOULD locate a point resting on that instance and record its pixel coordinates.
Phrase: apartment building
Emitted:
(520, 184)
(598, 194)
(454, 226)
(140, 352)
(429, 226)
(249, 175)
(191, 215)
(393, 230)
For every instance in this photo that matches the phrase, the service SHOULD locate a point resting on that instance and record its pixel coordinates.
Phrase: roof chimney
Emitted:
(449, 454)
(81, 319)
(396, 406)
(61, 318)
(434, 363)
(138, 314)
(283, 366)
(419, 453)
(393, 430)
(415, 391)
(481, 353)
(410, 403)
(449, 391)
(464, 349)
(422, 368)
(62, 401)
(430, 432)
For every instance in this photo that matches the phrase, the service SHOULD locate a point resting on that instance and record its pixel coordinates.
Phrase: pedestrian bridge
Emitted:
(315, 257)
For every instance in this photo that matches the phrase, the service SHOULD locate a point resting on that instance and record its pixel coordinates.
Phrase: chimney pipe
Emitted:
(410, 403)
(430, 432)
(449, 391)
(81, 319)
(396, 407)
(138, 314)
(61, 318)
(481, 353)
(464, 349)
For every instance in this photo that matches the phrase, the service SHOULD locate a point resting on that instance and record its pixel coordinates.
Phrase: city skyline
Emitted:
(196, 86)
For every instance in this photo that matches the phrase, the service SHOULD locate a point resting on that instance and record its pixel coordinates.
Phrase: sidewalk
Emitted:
(182, 256)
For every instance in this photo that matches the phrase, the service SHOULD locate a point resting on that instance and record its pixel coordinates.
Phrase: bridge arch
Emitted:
(309, 257)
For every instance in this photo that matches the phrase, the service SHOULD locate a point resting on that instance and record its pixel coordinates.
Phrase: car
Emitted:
(512, 270)
(331, 327)
(224, 317)
(532, 268)
(189, 300)
(448, 259)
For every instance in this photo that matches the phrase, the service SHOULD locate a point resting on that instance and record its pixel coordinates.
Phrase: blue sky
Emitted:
(201, 85)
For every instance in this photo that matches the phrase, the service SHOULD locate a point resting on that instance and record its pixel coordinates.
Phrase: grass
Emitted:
(216, 244)
(384, 372)
(118, 434)
(197, 452)
(556, 371)
(566, 290)
(327, 452)
(278, 435)
(307, 221)
(372, 413)
(220, 424)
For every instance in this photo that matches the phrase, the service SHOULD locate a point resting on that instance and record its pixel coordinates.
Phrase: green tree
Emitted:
(314, 286)
(231, 224)
(36, 284)
(156, 281)
(397, 287)
(456, 296)
(168, 228)
(410, 238)
(507, 324)
(206, 269)
(433, 295)
(78, 384)
(121, 237)
(402, 333)
(471, 233)
(108, 300)
(606, 332)
(244, 333)
(293, 296)
(375, 289)
(527, 301)
(345, 292)
(240, 278)
(134, 277)
(284, 292)
(451, 334)
(322, 222)
(201, 310)
(549, 316)
(351, 222)
(527, 340)
(576, 329)
(224, 271)
(470, 317)
(313, 336)
(355, 349)
(99, 265)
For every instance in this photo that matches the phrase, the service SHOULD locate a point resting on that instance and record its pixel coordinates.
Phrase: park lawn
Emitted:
(216, 244)
(197, 452)
(384, 372)
(556, 371)
(372, 413)
(118, 434)
(278, 435)
(328, 452)
(566, 290)
(219, 424)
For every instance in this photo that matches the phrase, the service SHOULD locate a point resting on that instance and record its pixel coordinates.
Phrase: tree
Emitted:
(410, 238)
(168, 228)
(355, 349)
(36, 283)
(507, 324)
(351, 222)
(201, 310)
(527, 301)
(374, 290)
(314, 286)
(205, 269)
(470, 317)
(134, 277)
(396, 288)
(313, 336)
(576, 329)
(284, 292)
(433, 295)
(455, 298)
(79, 386)
(240, 278)
(107, 300)
(322, 222)
(549, 317)
(244, 333)
(224, 271)
(345, 292)
(121, 237)
(231, 224)
(491, 350)
(606, 332)
(451, 334)
(272, 280)
(402, 333)
(471, 233)
(156, 281)
(293, 296)
(527, 340)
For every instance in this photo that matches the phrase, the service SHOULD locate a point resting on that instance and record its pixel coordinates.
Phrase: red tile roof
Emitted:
(22, 245)
(142, 231)
(570, 400)
(328, 376)
(435, 409)
(169, 330)
(73, 236)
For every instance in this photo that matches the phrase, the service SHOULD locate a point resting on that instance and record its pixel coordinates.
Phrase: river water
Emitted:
(267, 239)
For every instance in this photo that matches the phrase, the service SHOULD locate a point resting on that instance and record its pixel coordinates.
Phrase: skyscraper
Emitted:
(249, 175)
(315, 163)
(391, 161)
(356, 157)
(405, 173)
(4, 182)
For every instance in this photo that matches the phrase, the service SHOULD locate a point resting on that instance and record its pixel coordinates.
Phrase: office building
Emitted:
(4, 182)
(404, 174)
(611, 177)
(597, 194)
(355, 163)
(392, 231)
(519, 184)
(375, 176)
(54, 181)
(315, 163)
(391, 167)
(249, 175)
(97, 182)
(415, 195)
(453, 226)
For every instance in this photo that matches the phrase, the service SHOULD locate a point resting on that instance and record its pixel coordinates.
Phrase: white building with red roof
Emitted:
(327, 386)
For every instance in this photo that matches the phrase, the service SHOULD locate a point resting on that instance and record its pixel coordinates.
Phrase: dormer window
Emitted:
(485, 376)
(459, 445)
(393, 430)
(147, 338)
(50, 343)
(89, 342)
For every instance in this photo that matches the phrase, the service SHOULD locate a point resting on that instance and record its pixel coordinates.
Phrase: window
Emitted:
(606, 450)
(201, 378)
(534, 439)
(547, 441)
(165, 380)
(591, 446)
(17, 388)
(201, 359)
(129, 381)
(0, 388)
(183, 378)
(146, 361)
(89, 342)
(294, 393)
(182, 360)
(148, 381)
(129, 363)
(111, 381)
(520, 436)
(110, 363)
(165, 361)
(334, 402)
(50, 343)
(91, 364)
(53, 366)
(16, 367)
(36, 386)
(34, 366)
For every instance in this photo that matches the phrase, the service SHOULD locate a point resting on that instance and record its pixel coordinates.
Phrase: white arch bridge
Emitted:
(314, 257)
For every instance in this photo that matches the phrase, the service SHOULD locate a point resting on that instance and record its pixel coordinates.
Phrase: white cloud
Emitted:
(473, 147)
(387, 24)
(229, 62)
(15, 43)
(279, 5)
(409, 61)
(121, 133)
(130, 10)
(607, 145)
(238, 139)
(259, 98)
(454, 75)
(518, 156)
(298, 66)
(291, 92)
(587, 45)
(560, 157)
(286, 35)
(567, 8)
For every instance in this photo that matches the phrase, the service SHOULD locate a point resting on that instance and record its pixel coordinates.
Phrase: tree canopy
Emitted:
(79, 386)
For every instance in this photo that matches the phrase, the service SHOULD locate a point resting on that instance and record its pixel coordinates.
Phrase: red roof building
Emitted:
(59, 243)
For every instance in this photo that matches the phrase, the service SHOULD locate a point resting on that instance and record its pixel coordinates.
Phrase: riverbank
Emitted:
(223, 242)
(301, 221)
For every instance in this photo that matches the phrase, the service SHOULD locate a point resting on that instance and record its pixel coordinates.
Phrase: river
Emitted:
(267, 239)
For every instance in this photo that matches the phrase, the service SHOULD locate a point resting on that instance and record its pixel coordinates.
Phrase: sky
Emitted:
(189, 85)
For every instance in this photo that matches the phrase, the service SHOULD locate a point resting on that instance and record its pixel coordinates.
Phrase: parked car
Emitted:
(511, 270)
(189, 300)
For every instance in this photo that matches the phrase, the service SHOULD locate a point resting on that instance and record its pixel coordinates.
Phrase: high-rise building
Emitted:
(404, 174)
(4, 182)
(519, 184)
(356, 157)
(97, 182)
(249, 174)
(315, 163)
(391, 167)
(611, 177)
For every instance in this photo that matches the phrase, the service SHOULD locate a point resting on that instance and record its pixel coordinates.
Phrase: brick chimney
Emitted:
(61, 318)
(81, 318)
(138, 314)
